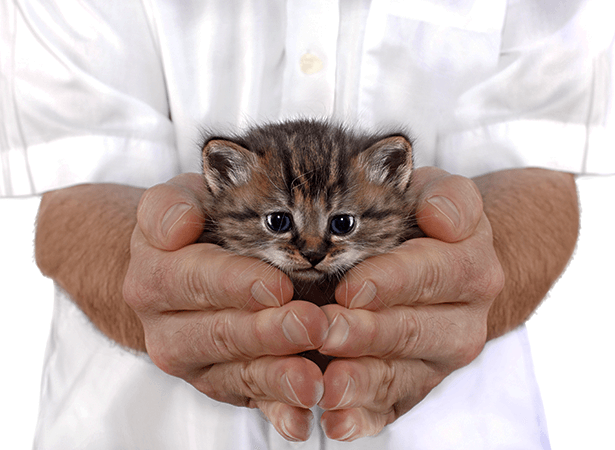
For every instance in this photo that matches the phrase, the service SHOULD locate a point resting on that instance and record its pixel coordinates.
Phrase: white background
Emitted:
(572, 333)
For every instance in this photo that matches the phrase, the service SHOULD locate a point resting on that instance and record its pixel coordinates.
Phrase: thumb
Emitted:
(449, 206)
(171, 215)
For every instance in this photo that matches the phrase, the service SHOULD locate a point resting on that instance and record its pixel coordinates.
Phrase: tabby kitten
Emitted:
(309, 197)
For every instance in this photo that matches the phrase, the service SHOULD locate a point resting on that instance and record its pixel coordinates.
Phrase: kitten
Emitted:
(309, 197)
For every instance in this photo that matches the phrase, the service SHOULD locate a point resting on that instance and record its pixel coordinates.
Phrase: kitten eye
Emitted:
(342, 224)
(279, 222)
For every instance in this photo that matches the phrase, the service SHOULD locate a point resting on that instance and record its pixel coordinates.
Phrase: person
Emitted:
(117, 94)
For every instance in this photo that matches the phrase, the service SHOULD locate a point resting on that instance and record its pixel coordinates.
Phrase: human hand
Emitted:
(406, 320)
(221, 322)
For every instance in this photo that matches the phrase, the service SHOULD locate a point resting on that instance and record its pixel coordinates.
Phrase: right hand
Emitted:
(222, 322)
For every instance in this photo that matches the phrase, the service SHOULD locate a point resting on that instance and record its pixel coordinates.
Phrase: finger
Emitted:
(170, 215)
(363, 395)
(183, 342)
(200, 277)
(426, 271)
(292, 380)
(378, 385)
(293, 423)
(449, 206)
(347, 425)
(448, 334)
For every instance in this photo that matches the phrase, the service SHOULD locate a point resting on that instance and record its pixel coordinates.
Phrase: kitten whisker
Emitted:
(314, 172)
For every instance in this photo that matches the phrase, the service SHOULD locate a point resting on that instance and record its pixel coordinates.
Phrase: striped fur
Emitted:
(313, 172)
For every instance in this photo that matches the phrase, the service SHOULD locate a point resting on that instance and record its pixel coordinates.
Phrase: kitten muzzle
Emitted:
(314, 257)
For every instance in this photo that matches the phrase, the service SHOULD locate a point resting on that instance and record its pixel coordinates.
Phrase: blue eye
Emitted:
(342, 224)
(279, 222)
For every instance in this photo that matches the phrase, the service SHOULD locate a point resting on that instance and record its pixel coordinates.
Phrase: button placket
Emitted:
(311, 46)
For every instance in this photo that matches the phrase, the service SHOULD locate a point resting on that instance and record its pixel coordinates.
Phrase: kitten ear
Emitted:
(389, 161)
(226, 163)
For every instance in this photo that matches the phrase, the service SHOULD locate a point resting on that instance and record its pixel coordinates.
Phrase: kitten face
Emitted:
(311, 198)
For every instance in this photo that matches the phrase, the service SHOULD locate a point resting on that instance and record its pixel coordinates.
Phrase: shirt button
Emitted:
(310, 64)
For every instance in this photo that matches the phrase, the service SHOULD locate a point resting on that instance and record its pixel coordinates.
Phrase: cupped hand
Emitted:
(222, 322)
(406, 320)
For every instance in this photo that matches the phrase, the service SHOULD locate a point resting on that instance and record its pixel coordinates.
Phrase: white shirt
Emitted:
(118, 91)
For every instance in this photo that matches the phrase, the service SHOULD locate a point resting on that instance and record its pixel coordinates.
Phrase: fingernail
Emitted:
(320, 391)
(295, 331)
(365, 296)
(284, 431)
(262, 295)
(446, 207)
(173, 215)
(337, 333)
(350, 435)
(290, 390)
(349, 394)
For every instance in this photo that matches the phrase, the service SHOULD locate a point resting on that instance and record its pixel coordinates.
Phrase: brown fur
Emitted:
(313, 172)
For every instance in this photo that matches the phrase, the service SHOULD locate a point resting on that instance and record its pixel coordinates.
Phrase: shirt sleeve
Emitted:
(549, 102)
(83, 97)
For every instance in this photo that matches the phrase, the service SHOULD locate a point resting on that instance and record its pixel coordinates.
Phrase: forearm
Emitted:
(83, 239)
(534, 215)
(82, 242)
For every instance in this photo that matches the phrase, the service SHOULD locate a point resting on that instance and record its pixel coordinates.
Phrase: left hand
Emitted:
(222, 322)
(407, 319)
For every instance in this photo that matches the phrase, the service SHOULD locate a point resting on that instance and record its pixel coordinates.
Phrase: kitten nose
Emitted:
(314, 257)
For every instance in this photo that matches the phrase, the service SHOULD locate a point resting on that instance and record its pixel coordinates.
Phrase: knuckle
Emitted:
(497, 280)
(135, 293)
(222, 335)
(250, 381)
(468, 343)
(488, 280)
(178, 276)
(131, 292)
(482, 277)
(165, 357)
(220, 338)
(228, 280)
(219, 385)
(470, 349)
(205, 386)
(406, 339)
(197, 285)
(384, 393)
(179, 352)
(147, 281)
(437, 280)
(371, 329)
(223, 282)
(433, 376)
